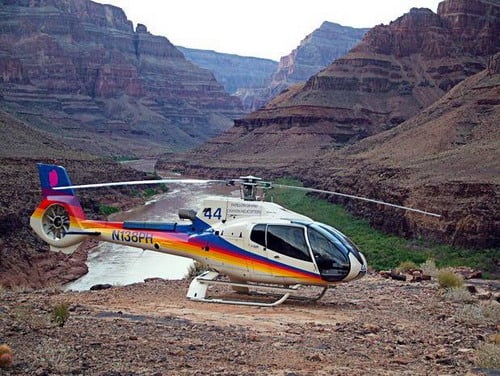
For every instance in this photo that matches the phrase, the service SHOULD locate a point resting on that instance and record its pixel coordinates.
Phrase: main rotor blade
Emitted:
(357, 198)
(141, 182)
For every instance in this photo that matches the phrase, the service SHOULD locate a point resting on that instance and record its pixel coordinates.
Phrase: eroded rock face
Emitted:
(443, 159)
(78, 66)
(393, 73)
(317, 51)
(255, 81)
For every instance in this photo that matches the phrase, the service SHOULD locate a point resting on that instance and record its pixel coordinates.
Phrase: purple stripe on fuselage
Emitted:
(223, 246)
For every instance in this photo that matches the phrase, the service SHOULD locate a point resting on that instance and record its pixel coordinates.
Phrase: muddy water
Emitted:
(121, 265)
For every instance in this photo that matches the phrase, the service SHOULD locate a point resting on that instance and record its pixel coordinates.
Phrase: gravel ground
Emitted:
(373, 326)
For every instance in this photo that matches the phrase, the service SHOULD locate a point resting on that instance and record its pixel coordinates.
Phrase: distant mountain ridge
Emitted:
(78, 68)
(233, 71)
(255, 80)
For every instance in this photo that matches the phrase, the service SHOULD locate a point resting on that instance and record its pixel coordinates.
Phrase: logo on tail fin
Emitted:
(53, 178)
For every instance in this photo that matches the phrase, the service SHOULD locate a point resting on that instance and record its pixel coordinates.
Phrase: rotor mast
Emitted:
(249, 185)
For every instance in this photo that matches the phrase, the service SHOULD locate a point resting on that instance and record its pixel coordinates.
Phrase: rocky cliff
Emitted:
(78, 68)
(247, 78)
(315, 52)
(391, 75)
(233, 71)
(442, 158)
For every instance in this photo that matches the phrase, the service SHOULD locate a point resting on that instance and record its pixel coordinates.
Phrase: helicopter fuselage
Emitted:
(254, 241)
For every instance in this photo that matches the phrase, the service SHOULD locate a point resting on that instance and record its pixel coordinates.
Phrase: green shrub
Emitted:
(488, 356)
(149, 192)
(458, 295)
(107, 210)
(60, 314)
(406, 266)
(448, 279)
(429, 268)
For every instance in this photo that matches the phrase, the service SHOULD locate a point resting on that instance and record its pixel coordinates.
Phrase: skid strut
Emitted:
(199, 286)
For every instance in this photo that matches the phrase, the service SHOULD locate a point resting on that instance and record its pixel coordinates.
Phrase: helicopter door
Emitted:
(287, 245)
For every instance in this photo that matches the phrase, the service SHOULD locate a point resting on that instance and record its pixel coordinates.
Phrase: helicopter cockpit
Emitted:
(330, 249)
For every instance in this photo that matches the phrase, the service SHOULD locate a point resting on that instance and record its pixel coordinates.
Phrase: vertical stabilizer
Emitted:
(52, 176)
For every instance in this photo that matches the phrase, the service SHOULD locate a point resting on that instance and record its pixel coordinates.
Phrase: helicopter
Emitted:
(256, 244)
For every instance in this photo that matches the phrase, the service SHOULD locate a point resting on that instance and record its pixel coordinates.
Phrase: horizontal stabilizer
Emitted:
(90, 233)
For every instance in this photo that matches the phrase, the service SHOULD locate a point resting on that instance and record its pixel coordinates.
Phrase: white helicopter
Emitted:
(256, 244)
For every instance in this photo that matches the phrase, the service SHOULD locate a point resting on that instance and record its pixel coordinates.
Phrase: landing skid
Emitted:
(199, 286)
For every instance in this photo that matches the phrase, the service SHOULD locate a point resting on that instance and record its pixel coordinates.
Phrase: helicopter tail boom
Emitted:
(57, 218)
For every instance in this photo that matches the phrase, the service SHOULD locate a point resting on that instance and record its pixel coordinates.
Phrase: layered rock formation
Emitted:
(444, 160)
(247, 78)
(395, 72)
(315, 52)
(255, 81)
(78, 67)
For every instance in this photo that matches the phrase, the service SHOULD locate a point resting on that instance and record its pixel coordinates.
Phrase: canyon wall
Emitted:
(78, 68)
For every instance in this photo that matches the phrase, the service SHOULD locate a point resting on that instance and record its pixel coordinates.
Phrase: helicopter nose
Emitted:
(364, 267)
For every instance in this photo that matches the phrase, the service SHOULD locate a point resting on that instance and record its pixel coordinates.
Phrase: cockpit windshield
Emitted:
(342, 240)
(331, 256)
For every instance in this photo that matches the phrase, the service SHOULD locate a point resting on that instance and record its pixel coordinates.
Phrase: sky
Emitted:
(260, 28)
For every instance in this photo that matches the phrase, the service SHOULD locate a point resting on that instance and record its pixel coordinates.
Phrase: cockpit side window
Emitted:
(288, 240)
(258, 234)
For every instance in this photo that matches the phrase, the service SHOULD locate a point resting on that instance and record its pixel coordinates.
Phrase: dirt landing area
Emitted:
(372, 326)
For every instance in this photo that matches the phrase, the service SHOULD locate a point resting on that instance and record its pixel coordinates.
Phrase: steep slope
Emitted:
(395, 72)
(78, 68)
(446, 159)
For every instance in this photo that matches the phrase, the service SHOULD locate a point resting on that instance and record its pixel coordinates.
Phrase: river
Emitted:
(122, 265)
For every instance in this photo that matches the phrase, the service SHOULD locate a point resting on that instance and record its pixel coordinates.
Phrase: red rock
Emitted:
(79, 66)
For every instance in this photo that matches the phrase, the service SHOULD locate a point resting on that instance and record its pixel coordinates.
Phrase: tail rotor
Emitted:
(58, 218)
